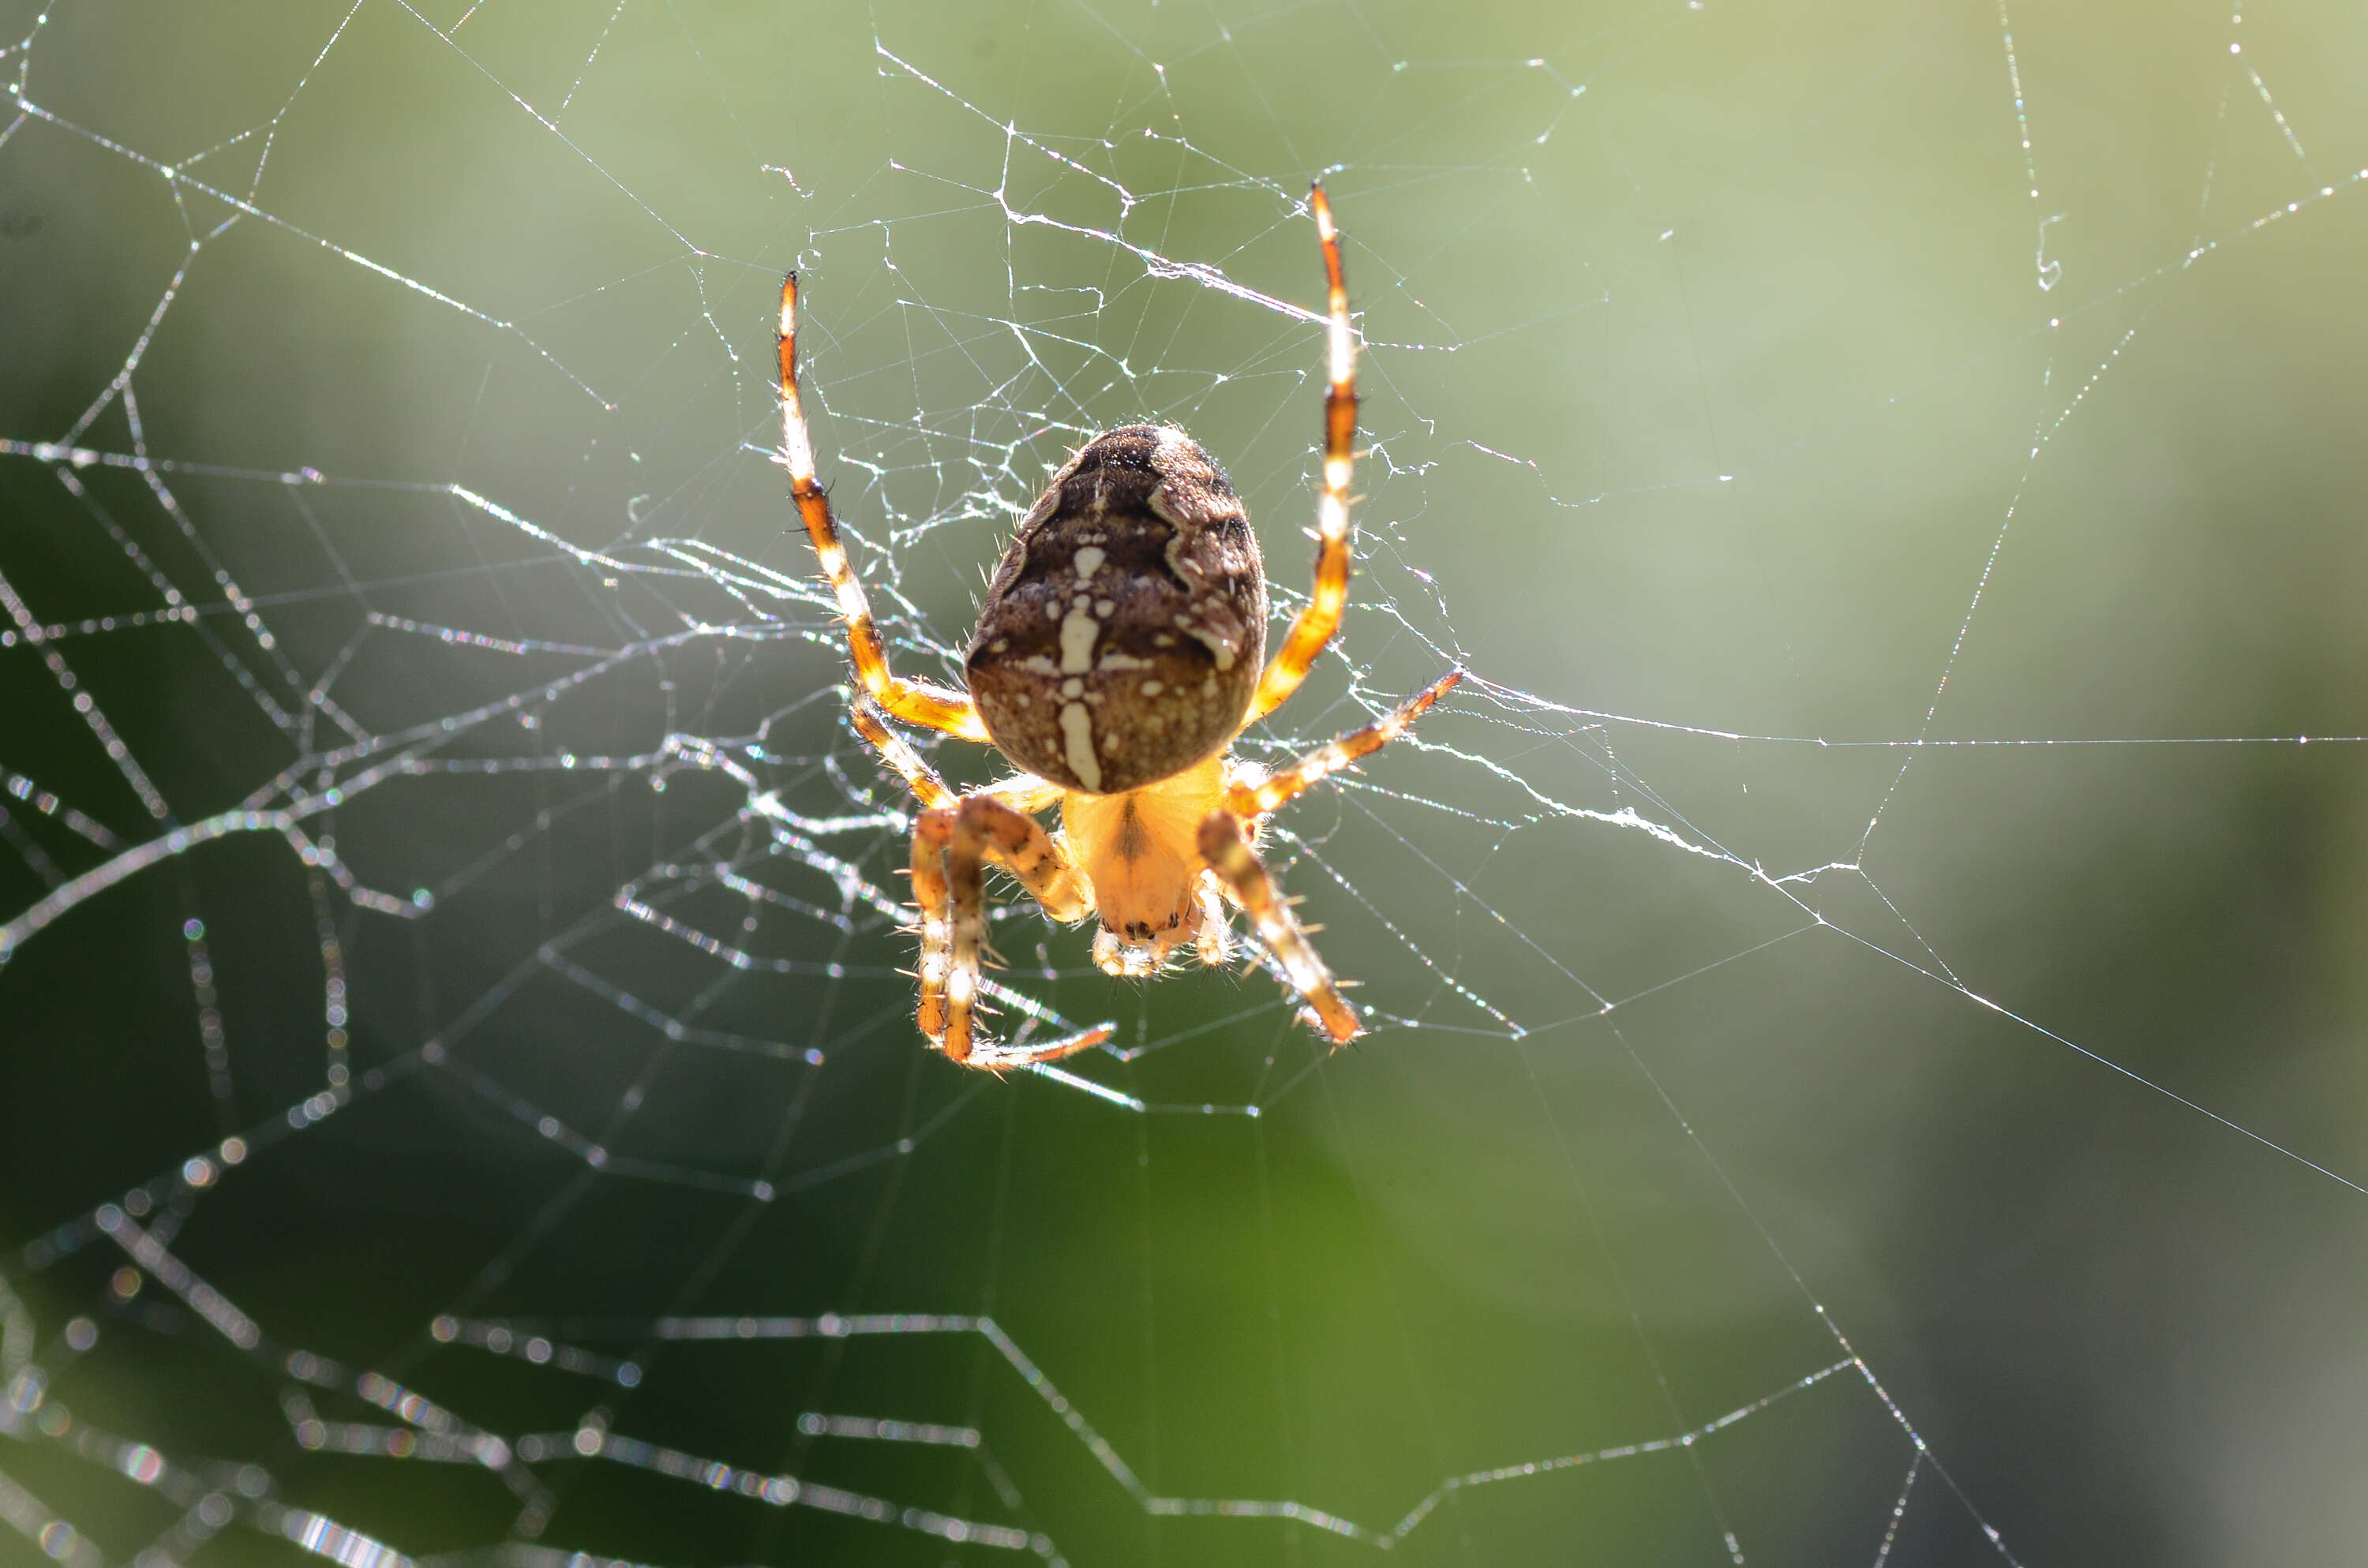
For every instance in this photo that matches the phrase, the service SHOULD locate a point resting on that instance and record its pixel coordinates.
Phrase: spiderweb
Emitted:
(463, 1099)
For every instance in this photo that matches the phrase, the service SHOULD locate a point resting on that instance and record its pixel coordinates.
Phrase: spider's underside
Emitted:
(1120, 652)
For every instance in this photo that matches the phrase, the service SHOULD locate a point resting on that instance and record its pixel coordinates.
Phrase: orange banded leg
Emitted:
(1213, 942)
(1253, 800)
(951, 847)
(1226, 848)
(1316, 623)
(1025, 792)
(898, 752)
(931, 834)
(997, 1058)
(915, 701)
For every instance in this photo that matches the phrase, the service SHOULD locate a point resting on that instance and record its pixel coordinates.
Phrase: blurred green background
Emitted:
(1720, 357)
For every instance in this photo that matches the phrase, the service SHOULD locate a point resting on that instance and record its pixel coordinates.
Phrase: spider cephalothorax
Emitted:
(1121, 650)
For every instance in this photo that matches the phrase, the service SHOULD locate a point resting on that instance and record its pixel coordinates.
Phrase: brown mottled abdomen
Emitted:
(1125, 630)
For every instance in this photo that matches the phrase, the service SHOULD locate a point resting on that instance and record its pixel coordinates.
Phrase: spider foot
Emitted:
(1005, 1058)
(1341, 1030)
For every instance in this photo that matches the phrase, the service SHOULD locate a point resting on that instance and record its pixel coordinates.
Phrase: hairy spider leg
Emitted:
(915, 701)
(1315, 624)
(995, 1058)
(1251, 800)
(1024, 792)
(1225, 845)
(898, 752)
(951, 847)
(1213, 941)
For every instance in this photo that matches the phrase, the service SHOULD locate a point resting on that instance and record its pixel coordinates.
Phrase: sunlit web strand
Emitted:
(642, 760)
(2106, 1062)
(1945, 976)
(180, 177)
(1521, 701)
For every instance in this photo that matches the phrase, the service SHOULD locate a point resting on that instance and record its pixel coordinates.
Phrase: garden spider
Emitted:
(1121, 650)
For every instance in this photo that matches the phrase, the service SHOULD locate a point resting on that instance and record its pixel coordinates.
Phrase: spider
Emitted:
(1120, 652)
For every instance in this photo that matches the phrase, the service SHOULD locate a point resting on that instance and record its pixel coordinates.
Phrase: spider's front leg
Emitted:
(1250, 797)
(1024, 792)
(1315, 626)
(951, 847)
(1224, 843)
(915, 701)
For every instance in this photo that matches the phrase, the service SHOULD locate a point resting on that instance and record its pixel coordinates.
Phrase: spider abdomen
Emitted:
(1124, 631)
